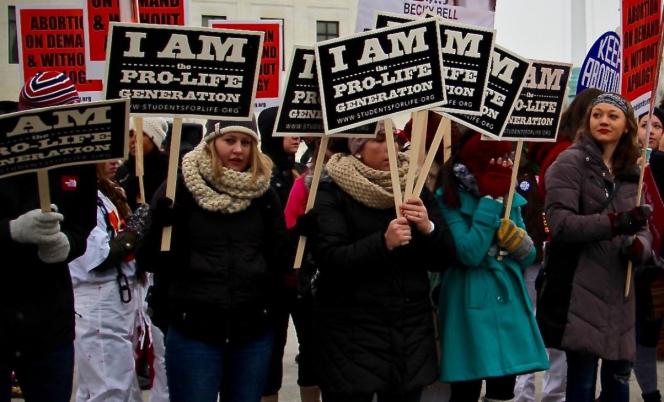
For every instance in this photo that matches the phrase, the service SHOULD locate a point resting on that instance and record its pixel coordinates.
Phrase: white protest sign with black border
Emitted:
(66, 135)
(372, 75)
(508, 71)
(184, 71)
(536, 113)
(300, 113)
(466, 52)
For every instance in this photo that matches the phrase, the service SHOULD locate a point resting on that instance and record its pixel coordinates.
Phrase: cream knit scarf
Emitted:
(230, 193)
(368, 186)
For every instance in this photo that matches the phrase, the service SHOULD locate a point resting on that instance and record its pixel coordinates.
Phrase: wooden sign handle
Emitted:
(394, 167)
(311, 198)
(515, 174)
(417, 136)
(444, 129)
(172, 177)
(44, 191)
(512, 190)
(639, 193)
(138, 158)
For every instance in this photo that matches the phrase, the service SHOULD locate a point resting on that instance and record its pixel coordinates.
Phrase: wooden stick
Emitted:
(515, 173)
(394, 167)
(172, 176)
(311, 199)
(512, 190)
(44, 191)
(444, 128)
(419, 130)
(639, 193)
(138, 158)
(447, 146)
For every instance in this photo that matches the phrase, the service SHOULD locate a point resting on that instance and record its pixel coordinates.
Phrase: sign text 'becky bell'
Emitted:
(372, 75)
(184, 71)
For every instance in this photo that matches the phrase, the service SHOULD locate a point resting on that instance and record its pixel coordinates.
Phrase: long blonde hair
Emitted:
(259, 165)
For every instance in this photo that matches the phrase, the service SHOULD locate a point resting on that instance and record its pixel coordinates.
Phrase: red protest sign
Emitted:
(640, 41)
(271, 60)
(100, 13)
(53, 39)
(656, 222)
(165, 12)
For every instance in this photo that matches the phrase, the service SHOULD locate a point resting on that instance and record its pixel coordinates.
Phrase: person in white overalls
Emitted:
(107, 309)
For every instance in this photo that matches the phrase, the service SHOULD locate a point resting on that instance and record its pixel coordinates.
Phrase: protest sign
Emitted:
(652, 197)
(474, 12)
(163, 12)
(98, 15)
(508, 70)
(63, 135)
(52, 38)
(536, 113)
(184, 71)
(300, 112)
(267, 92)
(369, 76)
(466, 56)
(640, 41)
(601, 68)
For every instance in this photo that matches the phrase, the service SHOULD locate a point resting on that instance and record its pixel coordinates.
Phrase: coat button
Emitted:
(500, 299)
(587, 158)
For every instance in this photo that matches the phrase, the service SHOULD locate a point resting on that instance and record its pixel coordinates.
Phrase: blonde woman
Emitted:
(225, 259)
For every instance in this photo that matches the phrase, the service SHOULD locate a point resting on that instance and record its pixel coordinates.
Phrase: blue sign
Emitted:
(601, 68)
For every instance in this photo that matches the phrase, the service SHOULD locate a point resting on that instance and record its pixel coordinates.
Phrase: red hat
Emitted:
(48, 88)
(433, 120)
(476, 154)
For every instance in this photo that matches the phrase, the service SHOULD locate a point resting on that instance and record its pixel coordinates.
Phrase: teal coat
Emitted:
(488, 327)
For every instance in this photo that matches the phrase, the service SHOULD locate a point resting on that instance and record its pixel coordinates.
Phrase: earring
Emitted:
(358, 156)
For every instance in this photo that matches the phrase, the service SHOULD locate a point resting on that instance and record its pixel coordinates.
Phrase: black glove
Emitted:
(139, 221)
(163, 214)
(630, 222)
(120, 246)
(307, 224)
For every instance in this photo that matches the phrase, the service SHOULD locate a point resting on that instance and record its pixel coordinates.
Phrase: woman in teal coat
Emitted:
(488, 329)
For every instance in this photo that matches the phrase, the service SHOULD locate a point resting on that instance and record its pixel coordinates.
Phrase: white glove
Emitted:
(54, 251)
(36, 226)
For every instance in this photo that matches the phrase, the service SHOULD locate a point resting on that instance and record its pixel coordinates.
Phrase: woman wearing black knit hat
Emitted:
(226, 256)
(597, 226)
(373, 320)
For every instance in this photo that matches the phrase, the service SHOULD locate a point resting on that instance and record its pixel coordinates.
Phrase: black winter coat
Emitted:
(222, 268)
(36, 299)
(374, 323)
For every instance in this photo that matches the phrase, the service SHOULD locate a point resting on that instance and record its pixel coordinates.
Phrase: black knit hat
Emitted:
(217, 128)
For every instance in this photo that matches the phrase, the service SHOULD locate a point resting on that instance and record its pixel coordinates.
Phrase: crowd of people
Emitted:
(388, 300)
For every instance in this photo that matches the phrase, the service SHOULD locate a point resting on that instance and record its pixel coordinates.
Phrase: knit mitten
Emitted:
(36, 227)
(54, 251)
(630, 222)
(513, 239)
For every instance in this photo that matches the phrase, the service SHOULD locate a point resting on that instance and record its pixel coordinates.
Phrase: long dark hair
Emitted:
(627, 151)
(572, 118)
(111, 189)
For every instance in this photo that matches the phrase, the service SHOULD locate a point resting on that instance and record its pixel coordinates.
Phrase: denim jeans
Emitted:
(43, 377)
(582, 376)
(200, 371)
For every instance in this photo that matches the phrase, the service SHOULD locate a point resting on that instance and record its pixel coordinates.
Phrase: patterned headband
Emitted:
(612, 99)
